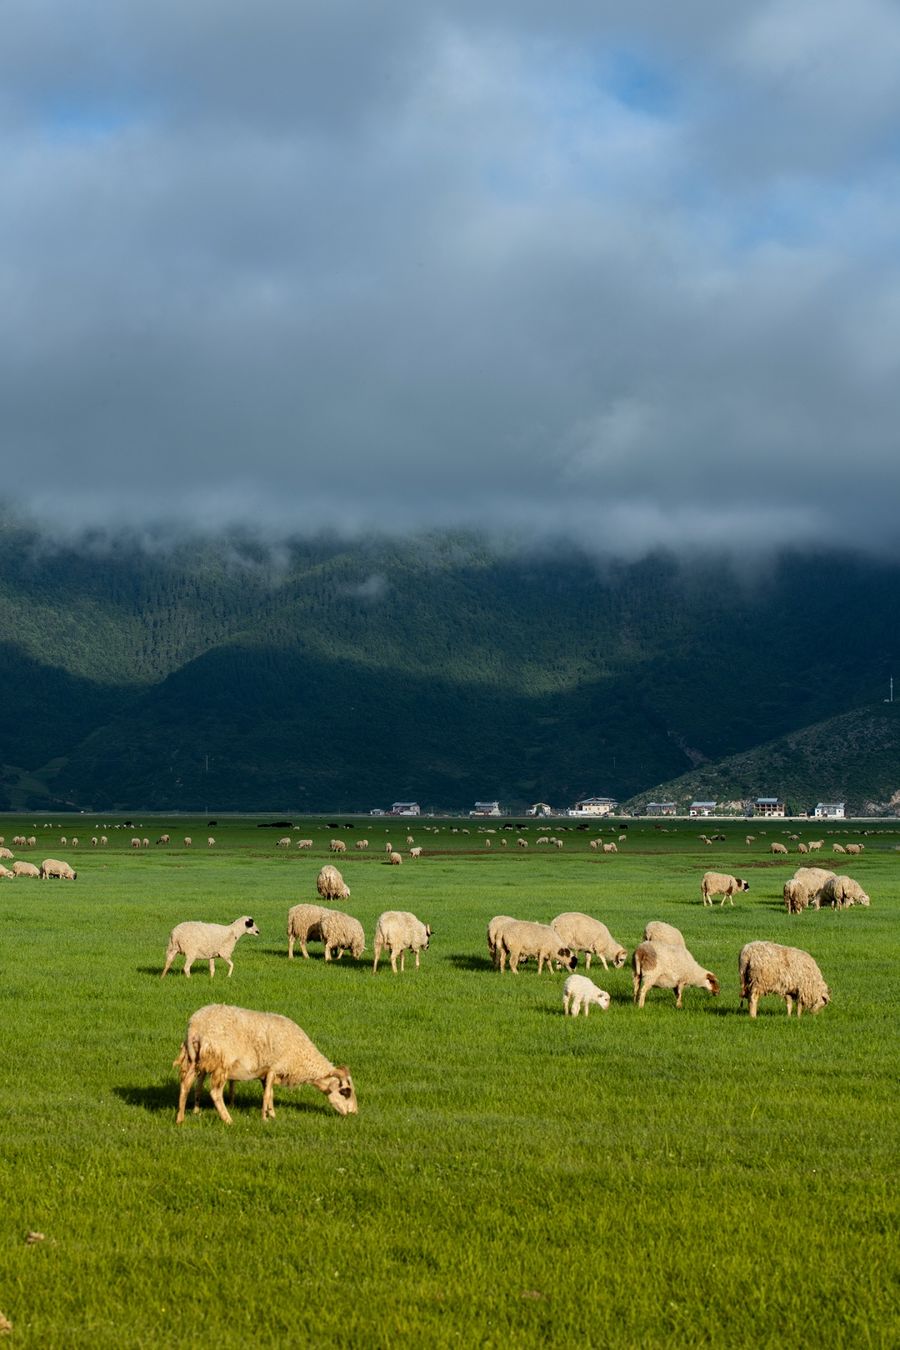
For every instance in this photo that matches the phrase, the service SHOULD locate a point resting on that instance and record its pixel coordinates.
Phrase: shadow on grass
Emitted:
(163, 1098)
(468, 961)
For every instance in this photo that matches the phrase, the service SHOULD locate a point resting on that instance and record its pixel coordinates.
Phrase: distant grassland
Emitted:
(513, 1178)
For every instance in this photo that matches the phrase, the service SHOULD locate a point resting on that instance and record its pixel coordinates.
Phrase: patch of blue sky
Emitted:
(638, 83)
(75, 119)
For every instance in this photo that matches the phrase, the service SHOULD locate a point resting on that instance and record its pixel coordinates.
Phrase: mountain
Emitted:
(325, 675)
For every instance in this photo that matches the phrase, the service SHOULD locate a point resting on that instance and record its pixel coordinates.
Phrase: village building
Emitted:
(768, 807)
(406, 809)
(594, 806)
(662, 808)
(541, 809)
(486, 809)
(702, 808)
(829, 811)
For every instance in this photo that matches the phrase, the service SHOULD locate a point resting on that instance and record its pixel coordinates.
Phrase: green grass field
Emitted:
(514, 1177)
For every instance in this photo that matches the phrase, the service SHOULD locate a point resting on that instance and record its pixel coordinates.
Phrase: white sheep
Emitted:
(416, 852)
(610, 848)
(660, 965)
(283, 842)
(768, 968)
(6, 853)
(94, 841)
(841, 892)
(163, 839)
(234, 1044)
(854, 848)
(804, 888)
(389, 848)
(411, 840)
(580, 992)
(103, 841)
(24, 869)
(361, 843)
(521, 940)
(494, 929)
(52, 867)
(32, 840)
(778, 848)
(395, 859)
(5, 872)
(304, 925)
(751, 838)
(340, 933)
(522, 843)
(338, 846)
(400, 932)
(188, 841)
(838, 848)
(205, 941)
(657, 931)
(815, 844)
(720, 883)
(210, 842)
(331, 885)
(304, 843)
(582, 933)
(802, 848)
(135, 843)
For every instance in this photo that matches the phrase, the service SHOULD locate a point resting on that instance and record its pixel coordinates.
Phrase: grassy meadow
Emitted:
(514, 1177)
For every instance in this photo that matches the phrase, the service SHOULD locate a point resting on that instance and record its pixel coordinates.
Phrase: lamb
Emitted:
(331, 885)
(400, 932)
(658, 965)
(206, 941)
(234, 1044)
(395, 859)
(841, 892)
(24, 869)
(304, 925)
(657, 931)
(494, 929)
(338, 846)
(341, 932)
(580, 992)
(583, 934)
(52, 867)
(804, 888)
(778, 848)
(789, 973)
(520, 940)
(415, 852)
(720, 883)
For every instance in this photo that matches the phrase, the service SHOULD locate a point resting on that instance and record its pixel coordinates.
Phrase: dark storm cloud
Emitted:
(623, 273)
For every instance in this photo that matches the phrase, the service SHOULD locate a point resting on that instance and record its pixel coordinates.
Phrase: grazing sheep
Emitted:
(854, 848)
(522, 843)
(720, 883)
(24, 869)
(206, 941)
(802, 848)
(580, 992)
(338, 846)
(62, 839)
(389, 848)
(6, 853)
(94, 841)
(557, 843)
(234, 1044)
(804, 888)
(135, 843)
(188, 841)
(610, 848)
(331, 885)
(19, 840)
(145, 843)
(778, 848)
(32, 840)
(415, 852)
(657, 931)
(520, 940)
(583, 934)
(842, 892)
(789, 973)
(52, 867)
(361, 843)
(751, 839)
(103, 841)
(494, 929)
(659, 965)
(838, 848)
(411, 840)
(283, 842)
(210, 842)
(395, 859)
(163, 839)
(304, 843)
(815, 844)
(400, 932)
(488, 844)
(304, 925)
(340, 933)
(5, 872)
(594, 843)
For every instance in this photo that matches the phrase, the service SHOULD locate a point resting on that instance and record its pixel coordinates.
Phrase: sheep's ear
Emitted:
(248, 923)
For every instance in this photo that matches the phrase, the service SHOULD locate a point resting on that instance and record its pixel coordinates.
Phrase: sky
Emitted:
(621, 273)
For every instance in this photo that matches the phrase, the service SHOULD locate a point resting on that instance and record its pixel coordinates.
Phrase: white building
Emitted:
(662, 808)
(768, 806)
(594, 806)
(702, 808)
(486, 809)
(829, 811)
(541, 809)
(406, 809)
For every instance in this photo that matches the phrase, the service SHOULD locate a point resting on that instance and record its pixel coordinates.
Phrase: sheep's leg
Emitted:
(188, 1074)
(215, 1091)
(230, 966)
(268, 1106)
(587, 961)
(566, 1004)
(417, 958)
(198, 1088)
(327, 952)
(500, 957)
(679, 991)
(291, 941)
(643, 994)
(753, 1002)
(170, 957)
(188, 962)
(790, 1005)
(303, 949)
(514, 963)
(635, 986)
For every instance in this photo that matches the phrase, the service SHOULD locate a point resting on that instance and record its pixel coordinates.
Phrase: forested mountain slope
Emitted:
(322, 675)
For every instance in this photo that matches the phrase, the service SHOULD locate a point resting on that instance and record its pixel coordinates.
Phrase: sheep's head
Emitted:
(620, 958)
(566, 957)
(822, 998)
(742, 885)
(249, 925)
(711, 983)
(338, 1088)
(602, 999)
(357, 948)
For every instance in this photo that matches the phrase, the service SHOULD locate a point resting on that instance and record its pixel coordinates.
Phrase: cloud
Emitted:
(625, 273)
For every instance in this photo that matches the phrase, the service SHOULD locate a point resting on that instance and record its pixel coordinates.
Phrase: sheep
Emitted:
(522, 843)
(659, 965)
(580, 992)
(188, 841)
(557, 843)
(163, 839)
(838, 848)
(583, 934)
(24, 869)
(283, 842)
(841, 892)
(32, 840)
(6, 853)
(720, 883)
(400, 932)
(415, 852)
(361, 843)
(145, 843)
(389, 848)
(804, 888)
(815, 844)
(488, 844)
(520, 940)
(52, 867)
(802, 848)
(94, 841)
(494, 929)
(304, 843)
(854, 848)
(304, 925)
(62, 839)
(206, 941)
(210, 842)
(341, 932)
(135, 843)
(610, 848)
(103, 841)
(751, 839)
(657, 931)
(5, 872)
(19, 840)
(395, 859)
(234, 1044)
(331, 885)
(338, 846)
(542, 839)
(768, 968)
(778, 848)
(595, 843)
(411, 840)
